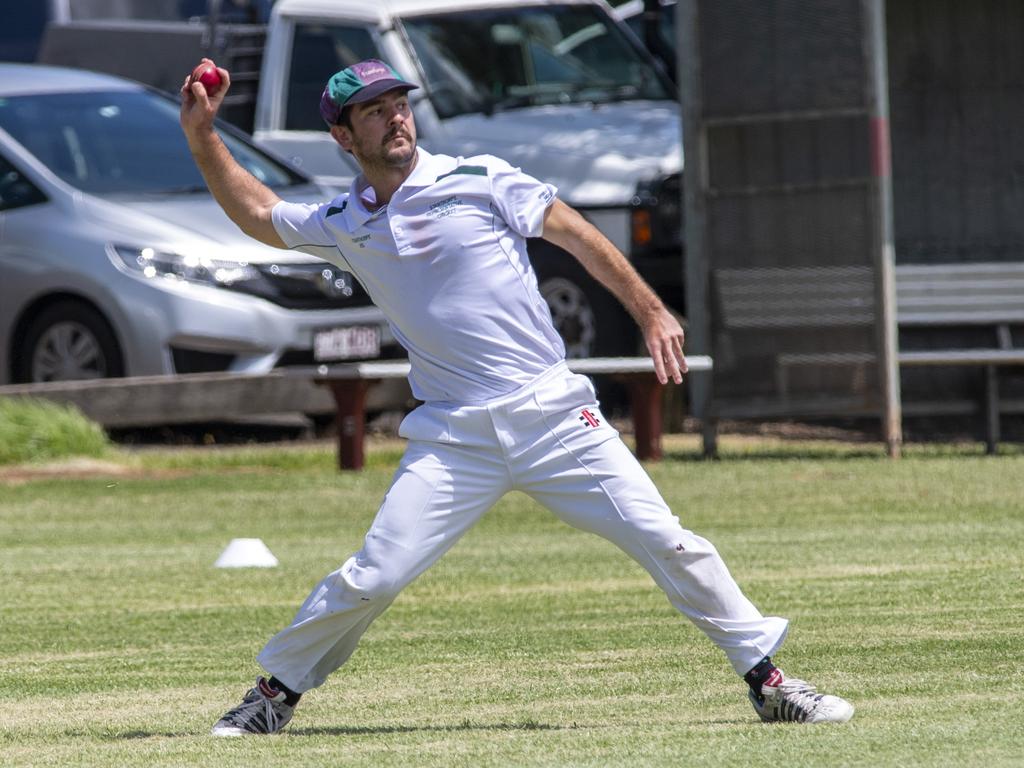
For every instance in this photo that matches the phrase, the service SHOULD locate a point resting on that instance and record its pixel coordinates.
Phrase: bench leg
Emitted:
(709, 432)
(350, 417)
(645, 397)
(991, 409)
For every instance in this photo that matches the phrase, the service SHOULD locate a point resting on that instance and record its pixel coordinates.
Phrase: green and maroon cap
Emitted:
(360, 82)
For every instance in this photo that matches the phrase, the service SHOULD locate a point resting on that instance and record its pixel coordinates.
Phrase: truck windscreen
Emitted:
(508, 58)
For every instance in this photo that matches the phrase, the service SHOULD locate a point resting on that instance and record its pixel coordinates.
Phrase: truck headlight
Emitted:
(656, 216)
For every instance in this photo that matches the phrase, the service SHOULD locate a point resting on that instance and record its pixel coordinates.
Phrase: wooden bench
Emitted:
(350, 382)
(796, 298)
(927, 296)
(958, 295)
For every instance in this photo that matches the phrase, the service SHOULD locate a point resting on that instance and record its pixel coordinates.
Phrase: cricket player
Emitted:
(439, 244)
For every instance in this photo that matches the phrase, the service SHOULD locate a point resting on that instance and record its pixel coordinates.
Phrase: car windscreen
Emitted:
(488, 60)
(117, 142)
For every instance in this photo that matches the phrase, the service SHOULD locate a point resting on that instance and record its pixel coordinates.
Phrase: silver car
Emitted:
(115, 260)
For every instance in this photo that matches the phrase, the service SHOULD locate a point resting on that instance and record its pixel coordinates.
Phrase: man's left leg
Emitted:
(594, 483)
(606, 492)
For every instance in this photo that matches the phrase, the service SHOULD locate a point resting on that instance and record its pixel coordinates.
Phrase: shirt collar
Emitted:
(428, 167)
(357, 213)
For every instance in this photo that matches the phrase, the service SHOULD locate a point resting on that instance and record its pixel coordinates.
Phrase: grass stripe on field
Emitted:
(530, 644)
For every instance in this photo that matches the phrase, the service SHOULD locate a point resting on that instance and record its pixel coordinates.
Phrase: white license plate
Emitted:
(346, 343)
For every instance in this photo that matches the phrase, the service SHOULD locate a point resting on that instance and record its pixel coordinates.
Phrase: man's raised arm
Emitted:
(566, 228)
(245, 200)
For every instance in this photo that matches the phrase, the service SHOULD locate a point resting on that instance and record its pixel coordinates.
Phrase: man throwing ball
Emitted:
(439, 243)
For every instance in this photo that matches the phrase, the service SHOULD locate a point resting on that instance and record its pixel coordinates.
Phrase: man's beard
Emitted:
(401, 156)
(390, 157)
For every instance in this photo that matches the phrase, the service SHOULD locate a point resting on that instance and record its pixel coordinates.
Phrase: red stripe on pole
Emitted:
(880, 154)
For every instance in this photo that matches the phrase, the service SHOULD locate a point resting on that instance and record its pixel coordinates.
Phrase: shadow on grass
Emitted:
(796, 453)
(464, 726)
(132, 735)
(377, 730)
(368, 730)
(827, 452)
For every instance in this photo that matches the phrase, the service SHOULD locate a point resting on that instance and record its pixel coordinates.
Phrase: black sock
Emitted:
(759, 674)
(291, 698)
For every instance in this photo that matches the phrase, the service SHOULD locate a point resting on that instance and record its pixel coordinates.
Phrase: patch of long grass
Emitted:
(39, 430)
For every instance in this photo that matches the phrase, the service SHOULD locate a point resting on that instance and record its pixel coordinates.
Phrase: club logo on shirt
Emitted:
(589, 419)
(443, 208)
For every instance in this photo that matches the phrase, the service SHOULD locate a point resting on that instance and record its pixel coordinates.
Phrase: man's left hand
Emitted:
(664, 338)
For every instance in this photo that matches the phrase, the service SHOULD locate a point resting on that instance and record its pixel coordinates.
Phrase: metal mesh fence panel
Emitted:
(791, 206)
(956, 84)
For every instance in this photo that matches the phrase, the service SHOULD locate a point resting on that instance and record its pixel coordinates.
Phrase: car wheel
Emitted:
(68, 340)
(589, 319)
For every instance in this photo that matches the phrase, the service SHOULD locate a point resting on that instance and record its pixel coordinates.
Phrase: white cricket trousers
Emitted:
(549, 440)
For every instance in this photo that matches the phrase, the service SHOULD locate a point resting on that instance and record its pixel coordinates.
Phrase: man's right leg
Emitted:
(438, 493)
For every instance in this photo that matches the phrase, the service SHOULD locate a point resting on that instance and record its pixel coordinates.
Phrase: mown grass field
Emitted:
(530, 644)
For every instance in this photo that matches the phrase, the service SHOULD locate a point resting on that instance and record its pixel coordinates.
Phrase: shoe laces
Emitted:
(254, 704)
(795, 699)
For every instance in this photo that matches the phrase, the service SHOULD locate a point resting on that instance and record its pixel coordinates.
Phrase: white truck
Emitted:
(561, 89)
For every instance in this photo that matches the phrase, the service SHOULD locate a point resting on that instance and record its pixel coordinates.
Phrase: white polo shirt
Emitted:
(446, 262)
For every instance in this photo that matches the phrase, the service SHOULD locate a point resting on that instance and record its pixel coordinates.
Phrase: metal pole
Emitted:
(212, 31)
(695, 275)
(884, 250)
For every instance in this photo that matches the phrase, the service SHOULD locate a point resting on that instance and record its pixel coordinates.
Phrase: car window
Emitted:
(318, 51)
(481, 61)
(118, 142)
(15, 190)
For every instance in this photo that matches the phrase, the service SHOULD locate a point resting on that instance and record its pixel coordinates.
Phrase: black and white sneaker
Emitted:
(263, 710)
(785, 699)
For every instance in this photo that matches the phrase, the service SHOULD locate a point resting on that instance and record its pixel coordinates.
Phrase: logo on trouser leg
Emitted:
(589, 419)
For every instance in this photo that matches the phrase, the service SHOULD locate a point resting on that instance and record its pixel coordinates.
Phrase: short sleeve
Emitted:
(520, 198)
(301, 226)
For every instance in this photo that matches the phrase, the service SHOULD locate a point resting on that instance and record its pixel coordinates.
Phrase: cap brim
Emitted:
(375, 89)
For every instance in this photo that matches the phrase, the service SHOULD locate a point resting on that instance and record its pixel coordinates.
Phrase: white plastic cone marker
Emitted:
(246, 553)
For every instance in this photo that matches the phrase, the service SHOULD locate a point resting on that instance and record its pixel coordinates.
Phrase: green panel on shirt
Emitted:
(468, 170)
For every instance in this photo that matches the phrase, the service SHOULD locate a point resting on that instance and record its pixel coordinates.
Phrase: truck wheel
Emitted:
(573, 315)
(68, 340)
(589, 319)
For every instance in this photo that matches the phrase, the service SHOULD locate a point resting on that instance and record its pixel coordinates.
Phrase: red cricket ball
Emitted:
(207, 75)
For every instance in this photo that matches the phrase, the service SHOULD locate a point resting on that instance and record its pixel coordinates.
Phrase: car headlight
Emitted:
(154, 264)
